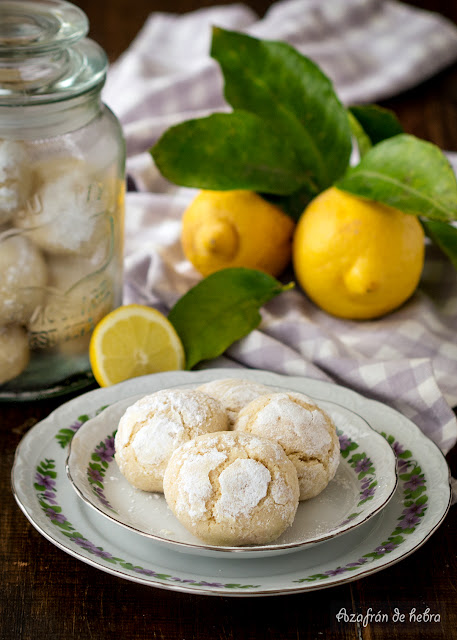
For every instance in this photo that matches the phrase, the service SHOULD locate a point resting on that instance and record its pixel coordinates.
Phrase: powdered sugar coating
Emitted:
(195, 487)
(154, 426)
(63, 214)
(243, 485)
(234, 393)
(231, 488)
(305, 432)
(154, 443)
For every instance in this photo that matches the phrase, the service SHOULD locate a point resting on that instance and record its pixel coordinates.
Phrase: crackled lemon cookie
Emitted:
(232, 488)
(23, 276)
(14, 352)
(152, 428)
(234, 393)
(306, 433)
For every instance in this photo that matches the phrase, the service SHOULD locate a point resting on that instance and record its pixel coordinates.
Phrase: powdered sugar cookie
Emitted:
(23, 276)
(234, 393)
(64, 214)
(14, 352)
(232, 488)
(152, 428)
(306, 433)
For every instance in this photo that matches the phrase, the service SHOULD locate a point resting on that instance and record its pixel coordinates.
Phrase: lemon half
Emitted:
(134, 340)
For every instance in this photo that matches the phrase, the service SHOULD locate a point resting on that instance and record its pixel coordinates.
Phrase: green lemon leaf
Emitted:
(445, 236)
(229, 151)
(221, 309)
(363, 141)
(290, 93)
(408, 174)
(377, 123)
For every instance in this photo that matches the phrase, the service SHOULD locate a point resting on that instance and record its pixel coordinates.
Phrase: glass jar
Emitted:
(62, 177)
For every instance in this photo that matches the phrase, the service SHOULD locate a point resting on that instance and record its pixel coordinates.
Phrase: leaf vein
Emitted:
(434, 203)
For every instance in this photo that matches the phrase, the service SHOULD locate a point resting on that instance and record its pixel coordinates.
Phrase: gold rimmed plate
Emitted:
(46, 497)
(363, 485)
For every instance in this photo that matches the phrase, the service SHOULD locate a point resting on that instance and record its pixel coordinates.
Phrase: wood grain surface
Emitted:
(46, 594)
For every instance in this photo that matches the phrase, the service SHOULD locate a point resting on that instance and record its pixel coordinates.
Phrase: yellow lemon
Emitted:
(223, 229)
(132, 341)
(356, 258)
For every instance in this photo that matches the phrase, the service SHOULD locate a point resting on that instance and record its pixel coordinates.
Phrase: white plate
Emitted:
(365, 481)
(46, 497)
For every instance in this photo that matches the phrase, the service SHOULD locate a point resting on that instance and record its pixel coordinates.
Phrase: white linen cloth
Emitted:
(371, 49)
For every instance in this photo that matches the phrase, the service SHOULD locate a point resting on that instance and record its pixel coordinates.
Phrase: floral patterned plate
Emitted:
(365, 481)
(47, 498)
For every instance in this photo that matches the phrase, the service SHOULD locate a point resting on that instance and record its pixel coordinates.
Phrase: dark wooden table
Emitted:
(46, 594)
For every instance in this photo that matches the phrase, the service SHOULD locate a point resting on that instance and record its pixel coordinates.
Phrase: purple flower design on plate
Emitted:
(75, 426)
(45, 481)
(101, 554)
(82, 542)
(335, 572)
(414, 482)
(101, 496)
(397, 448)
(184, 580)
(95, 475)
(359, 562)
(385, 548)
(402, 465)
(367, 493)
(413, 510)
(344, 442)
(409, 521)
(50, 497)
(53, 515)
(106, 450)
(363, 465)
(144, 572)
(89, 546)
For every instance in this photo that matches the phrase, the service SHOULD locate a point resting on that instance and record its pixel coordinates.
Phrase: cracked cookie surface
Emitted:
(234, 393)
(305, 432)
(232, 488)
(154, 426)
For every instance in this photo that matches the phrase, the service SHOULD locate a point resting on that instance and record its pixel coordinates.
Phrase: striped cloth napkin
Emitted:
(371, 49)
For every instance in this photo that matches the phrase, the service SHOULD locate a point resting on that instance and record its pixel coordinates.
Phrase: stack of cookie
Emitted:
(233, 457)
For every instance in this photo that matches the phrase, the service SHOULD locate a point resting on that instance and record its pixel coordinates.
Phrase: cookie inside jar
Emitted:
(62, 164)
